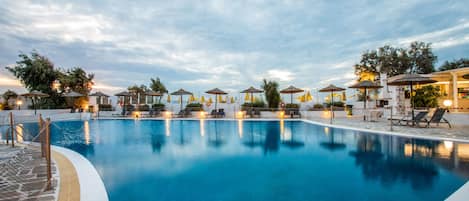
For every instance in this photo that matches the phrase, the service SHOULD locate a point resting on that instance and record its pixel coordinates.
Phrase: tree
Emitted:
(37, 72)
(9, 95)
(78, 80)
(138, 92)
(449, 65)
(422, 58)
(426, 96)
(368, 64)
(158, 86)
(271, 93)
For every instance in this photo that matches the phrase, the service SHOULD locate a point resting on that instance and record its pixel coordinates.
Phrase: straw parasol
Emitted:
(366, 84)
(291, 90)
(251, 90)
(153, 94)
(124, 94)
(72, 95)
(217, 92)
(33, 95)
(99, 95)
(331, 88)
(411, 79)
(181, 92)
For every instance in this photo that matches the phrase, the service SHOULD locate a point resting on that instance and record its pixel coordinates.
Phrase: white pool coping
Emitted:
(91, 186)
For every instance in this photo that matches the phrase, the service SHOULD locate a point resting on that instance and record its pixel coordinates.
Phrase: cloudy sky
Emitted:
(199, 45)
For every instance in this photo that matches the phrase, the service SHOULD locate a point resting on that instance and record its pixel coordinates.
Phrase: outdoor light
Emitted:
(447, 103)
(56, 85)
(19, 102)
(448, 145)
(167, 114)
(202, 115)
(240, 115)
(282, 114)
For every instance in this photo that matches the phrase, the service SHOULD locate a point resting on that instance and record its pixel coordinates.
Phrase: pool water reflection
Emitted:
(261, 160)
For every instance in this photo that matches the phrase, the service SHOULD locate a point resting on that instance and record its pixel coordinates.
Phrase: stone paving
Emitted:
(457, 132)
(23, 175)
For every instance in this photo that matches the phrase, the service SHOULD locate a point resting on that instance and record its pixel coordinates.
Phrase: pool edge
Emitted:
(91, 185)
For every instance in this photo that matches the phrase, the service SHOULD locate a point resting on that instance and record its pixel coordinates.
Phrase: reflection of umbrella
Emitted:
(251, 90)
(181, 92)
(217, 92)
(292, 143)
(411, 79)
(291, 90)
(124, 94)
(217, 142)
(331, 144)
(331, 88)
(33, 95)
(366, 84)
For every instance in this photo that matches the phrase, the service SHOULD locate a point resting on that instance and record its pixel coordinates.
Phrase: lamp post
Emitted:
(19, 102)
(447, 103)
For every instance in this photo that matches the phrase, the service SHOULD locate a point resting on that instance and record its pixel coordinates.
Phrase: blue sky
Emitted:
(232, 45)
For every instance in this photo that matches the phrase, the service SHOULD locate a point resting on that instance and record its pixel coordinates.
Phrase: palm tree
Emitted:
(271, 93)
(158, 86)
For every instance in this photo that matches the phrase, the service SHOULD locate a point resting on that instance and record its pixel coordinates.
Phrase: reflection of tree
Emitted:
(181, 138)
(157, 142)
(250, 140)
(332, 145)
(216, 140)
(419, 172)
(272, 138)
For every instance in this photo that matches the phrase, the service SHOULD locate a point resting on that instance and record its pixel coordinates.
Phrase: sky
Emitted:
(199, 45)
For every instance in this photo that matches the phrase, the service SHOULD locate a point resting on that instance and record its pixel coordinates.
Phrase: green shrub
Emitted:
(318, 106)
(105, 107)
(143, 107)
(158, 106)
(427, 96)
(195, 106)
(336, 104)
(292, 105)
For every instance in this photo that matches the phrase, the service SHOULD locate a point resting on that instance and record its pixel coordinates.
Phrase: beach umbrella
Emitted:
(410, 80)
(181, 92)
(168, 99)
(210, 101)
(33, 95)
(366, 84)
(232, 100)
(99, 95)
(123, 94)
(251, 90)
(308, 97)
(331, 88)
(153, 94)
(202, 99)
(216, 92)
(72, 95)
(291, 90)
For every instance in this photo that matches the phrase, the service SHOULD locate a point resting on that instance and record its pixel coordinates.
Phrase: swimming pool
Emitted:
(179, 160)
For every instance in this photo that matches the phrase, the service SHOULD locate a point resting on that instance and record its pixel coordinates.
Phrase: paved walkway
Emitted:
(458, 132)
(23, 175)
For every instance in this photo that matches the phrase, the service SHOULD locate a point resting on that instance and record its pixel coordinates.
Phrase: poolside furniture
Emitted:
(436, 118)
(374, 115)
(294, 113)
(408, 120)
(221, 113)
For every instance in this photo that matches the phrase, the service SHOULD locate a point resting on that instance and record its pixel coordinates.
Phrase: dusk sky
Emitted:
(199, 45)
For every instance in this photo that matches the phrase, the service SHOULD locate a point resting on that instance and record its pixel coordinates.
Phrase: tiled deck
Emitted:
(458, 132)
(23, 175)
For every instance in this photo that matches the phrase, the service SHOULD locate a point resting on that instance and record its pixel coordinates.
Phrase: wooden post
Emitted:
(12, 132)
(41, 136)
(48, 155)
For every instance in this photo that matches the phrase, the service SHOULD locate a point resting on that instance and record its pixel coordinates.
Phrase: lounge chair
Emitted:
(221, 113)
(406, 120)
(437, 118)
(213, 113)
(294, 113)
(187, 112)
(257, 113)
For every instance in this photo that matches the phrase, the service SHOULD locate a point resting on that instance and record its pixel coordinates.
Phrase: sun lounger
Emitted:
(436, 118)
(408, 120)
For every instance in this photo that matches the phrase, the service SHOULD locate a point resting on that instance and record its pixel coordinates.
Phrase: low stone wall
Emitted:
(22, 116)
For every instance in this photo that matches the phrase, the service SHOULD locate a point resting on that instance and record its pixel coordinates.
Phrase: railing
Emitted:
(43, 137)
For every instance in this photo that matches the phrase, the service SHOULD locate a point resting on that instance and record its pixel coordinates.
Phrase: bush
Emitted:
(336, 104)
(105, 107)
(292, 106)
(318, 106)
(195, 106)
(158, 106)
(143, 107)
(255, 104)
(427, 96)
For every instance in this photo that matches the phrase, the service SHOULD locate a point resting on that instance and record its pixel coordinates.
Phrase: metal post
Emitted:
(12, 130)
(391, 118)
(48, 155)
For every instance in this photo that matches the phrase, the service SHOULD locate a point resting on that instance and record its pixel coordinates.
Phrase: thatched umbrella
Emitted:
(331, 88)
(291, 90)
(217, 92)
(152, 94)
(33, 95)
(72, 95)
(411, 79)
(181, 92)
(99, 95)
(366, 84)
(252, 90)
(124, 94)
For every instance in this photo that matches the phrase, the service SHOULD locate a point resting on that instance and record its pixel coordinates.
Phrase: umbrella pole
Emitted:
(364, 106)
(412, 104)
(332, 102)
(291, 98)
(180, 104)
(216, 101)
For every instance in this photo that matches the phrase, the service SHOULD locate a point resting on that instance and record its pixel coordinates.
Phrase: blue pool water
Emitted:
(187, 160)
